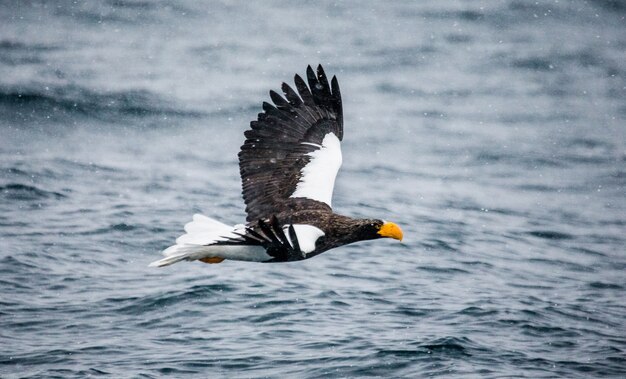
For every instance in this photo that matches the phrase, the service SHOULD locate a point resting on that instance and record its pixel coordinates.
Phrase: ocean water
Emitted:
(494, 133)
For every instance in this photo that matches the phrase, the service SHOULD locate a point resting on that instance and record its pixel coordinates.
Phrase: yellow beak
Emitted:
(391, 230)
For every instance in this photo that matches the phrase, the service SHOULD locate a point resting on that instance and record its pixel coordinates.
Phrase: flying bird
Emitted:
(288, 164)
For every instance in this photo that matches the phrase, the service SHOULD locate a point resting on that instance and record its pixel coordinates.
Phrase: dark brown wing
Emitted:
(284, 140)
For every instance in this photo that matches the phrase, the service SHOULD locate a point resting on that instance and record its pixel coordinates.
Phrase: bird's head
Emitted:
(382, 229)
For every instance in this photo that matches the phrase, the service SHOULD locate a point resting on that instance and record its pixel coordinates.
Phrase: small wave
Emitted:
(134, 4)
(11, 264)
(413, 312)
(16, 174)
(478, 311)
(580, 314)
(463, 15)
(437, 244)
(402, 352)
(443, 270)
(584, 58)
(588, 143)
(158, 301)
(612, 5)
(589, 252)
(447, 346)
(486, 265)
(537, 188)
(274, 303)
(13, 171)
(545, 330)
(269, 316)
(31, 103)
(11, 45)
(458, 38)
(603, 285)
(123, 227)
(56, 356)
(530, 286)
(550, 234)
(534, 63)
(86, 166)
(15, 53)
(23, 192)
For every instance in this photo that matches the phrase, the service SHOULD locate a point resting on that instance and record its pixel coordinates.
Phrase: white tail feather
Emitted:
(177, 253)
(194, 252)
(203, 231)
(198, 242)
(203, 223)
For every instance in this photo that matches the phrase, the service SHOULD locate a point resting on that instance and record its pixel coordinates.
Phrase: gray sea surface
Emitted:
(494, 133)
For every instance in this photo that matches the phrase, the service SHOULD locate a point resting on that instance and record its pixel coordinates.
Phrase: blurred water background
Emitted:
(492, 132)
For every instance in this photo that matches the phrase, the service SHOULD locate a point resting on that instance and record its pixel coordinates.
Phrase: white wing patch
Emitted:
(307, 236)
(318, 176)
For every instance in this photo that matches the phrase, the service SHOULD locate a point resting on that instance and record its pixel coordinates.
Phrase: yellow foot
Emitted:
(212, 260)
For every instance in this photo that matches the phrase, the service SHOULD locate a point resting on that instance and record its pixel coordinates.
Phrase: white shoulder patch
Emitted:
(318, 176)
(307, 236)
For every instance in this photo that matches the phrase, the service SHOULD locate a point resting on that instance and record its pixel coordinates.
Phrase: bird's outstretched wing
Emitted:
(292, 151)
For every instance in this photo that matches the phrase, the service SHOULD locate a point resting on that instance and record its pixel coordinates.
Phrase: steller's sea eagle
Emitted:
(288, 166)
